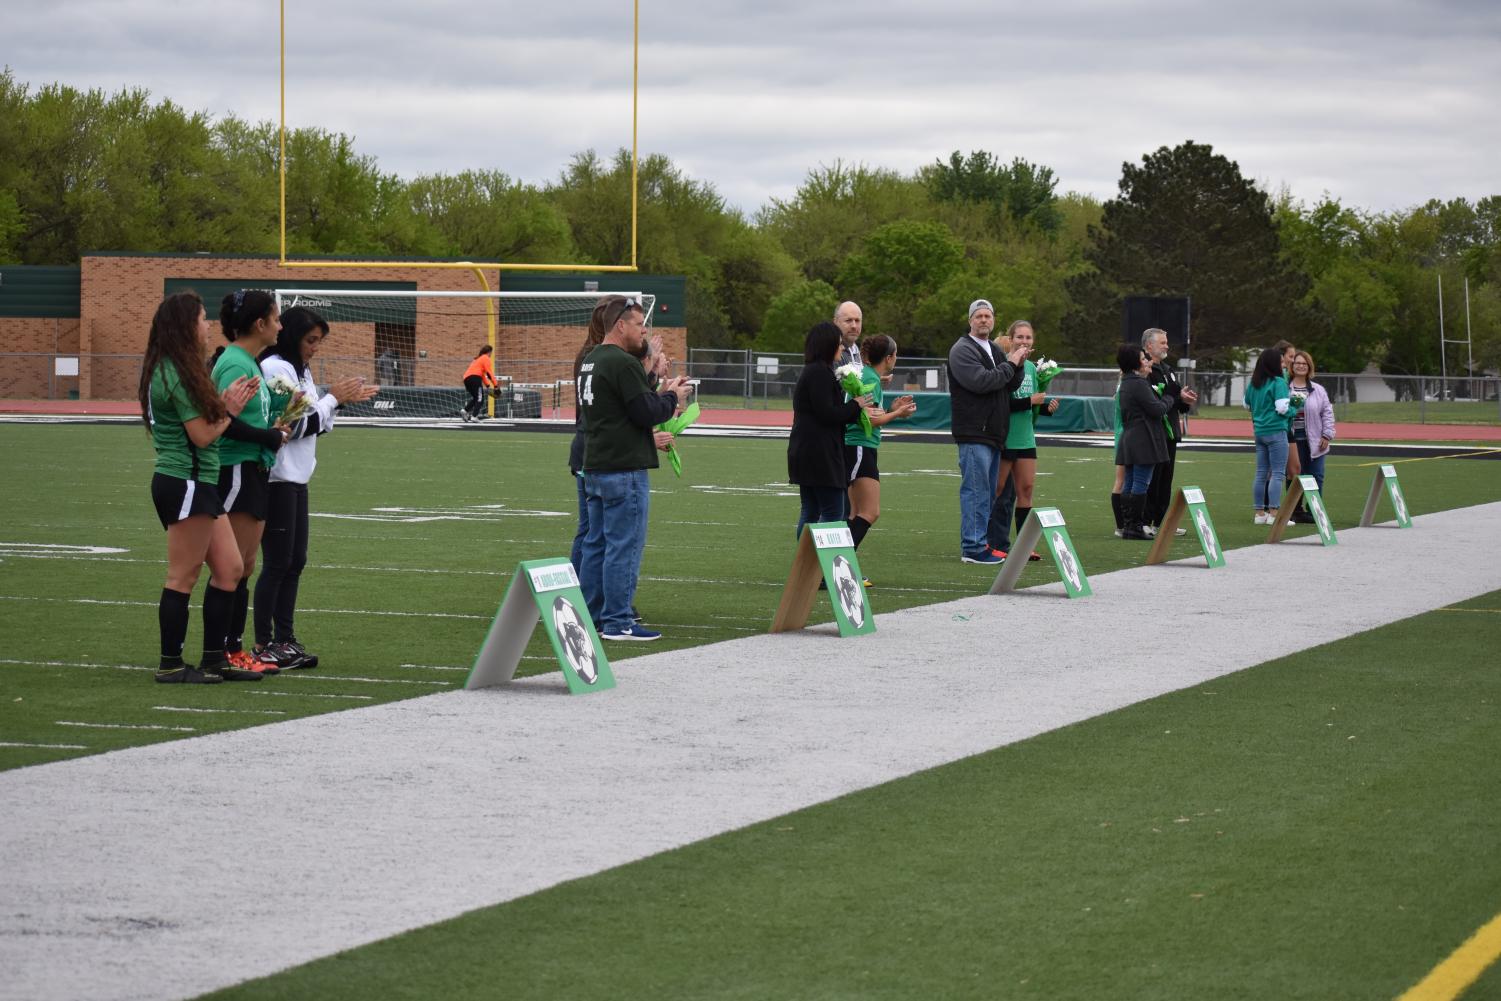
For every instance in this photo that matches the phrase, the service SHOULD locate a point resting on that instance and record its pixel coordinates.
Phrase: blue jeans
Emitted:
(1138, 479)
(576, 554)
(978, 467)
(820, 504)
(1271, 467)
(610, 560)
(1313, 467)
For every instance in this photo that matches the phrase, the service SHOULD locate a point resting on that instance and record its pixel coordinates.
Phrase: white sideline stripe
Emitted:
(438, 667)
(74, 663)
(303, 676)
(300, 611)
(312, 695)
(195, 709)
(126, 726)
(692, 743)
(59, 747)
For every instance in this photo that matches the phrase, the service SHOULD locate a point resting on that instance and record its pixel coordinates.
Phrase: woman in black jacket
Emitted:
(1143, 441)
(815, 451)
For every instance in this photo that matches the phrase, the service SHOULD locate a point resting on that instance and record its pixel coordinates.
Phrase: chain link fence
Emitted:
(741, 379)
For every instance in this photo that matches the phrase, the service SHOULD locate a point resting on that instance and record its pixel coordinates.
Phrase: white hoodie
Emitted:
(296, 460)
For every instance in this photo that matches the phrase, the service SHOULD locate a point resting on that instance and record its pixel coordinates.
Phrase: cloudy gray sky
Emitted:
(1383, 104)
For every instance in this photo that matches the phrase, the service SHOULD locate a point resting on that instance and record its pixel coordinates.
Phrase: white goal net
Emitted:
(417, 345)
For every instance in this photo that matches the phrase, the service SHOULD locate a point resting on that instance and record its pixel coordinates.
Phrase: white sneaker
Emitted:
(1119, 533)
(1181, 531)
(1262, 519)
(1150, 531)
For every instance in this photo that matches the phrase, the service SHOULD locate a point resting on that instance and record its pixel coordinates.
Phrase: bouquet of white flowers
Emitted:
(288, 402)
(850, 380)
(1046, 370)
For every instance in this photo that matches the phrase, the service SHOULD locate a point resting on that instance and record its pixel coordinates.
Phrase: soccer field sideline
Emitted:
(425, 821)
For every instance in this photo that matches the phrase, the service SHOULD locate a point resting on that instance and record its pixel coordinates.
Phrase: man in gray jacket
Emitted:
(981, 381)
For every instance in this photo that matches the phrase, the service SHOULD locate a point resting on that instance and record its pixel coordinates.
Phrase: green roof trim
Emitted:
(40, 291)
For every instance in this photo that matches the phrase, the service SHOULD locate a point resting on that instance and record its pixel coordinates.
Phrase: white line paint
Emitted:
(126, 726)
(305, 676)
(196, 709)
(311, 695)
(73, 663)
(58, 747)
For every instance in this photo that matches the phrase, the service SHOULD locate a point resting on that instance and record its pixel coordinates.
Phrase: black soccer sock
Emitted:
(218, 606)
(234, 636)
(172, 616)
(858, 528)
(1021, 517)
(1115, 508)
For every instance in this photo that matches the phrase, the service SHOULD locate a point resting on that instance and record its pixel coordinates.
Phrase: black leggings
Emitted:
(283, 555)
(474, 386)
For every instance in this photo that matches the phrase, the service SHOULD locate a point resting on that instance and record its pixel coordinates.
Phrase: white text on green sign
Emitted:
(1050, 517)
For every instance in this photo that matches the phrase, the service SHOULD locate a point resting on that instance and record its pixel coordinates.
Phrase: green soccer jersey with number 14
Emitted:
(233, 364)
(171, 408)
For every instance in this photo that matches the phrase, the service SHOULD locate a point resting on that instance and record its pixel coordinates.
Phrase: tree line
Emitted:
(86, 170)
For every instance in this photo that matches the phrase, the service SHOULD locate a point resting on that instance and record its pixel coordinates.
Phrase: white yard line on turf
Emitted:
(126, 726)
(311, 695)
(690, 744)
(58, 747)
(196, 709)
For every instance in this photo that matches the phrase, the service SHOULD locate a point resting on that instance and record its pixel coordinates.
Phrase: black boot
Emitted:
(1115, 509)
(1134, 510)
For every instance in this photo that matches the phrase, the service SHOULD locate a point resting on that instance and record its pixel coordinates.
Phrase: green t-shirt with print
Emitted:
(608, 381)
(1022, 433)
(171, 407)
(854, 434)
(1262, 400)
(233, 364)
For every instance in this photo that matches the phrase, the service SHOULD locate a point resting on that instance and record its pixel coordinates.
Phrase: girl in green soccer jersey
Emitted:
(250, 324)
(1019, 457)
(879, 355)
(185, 416)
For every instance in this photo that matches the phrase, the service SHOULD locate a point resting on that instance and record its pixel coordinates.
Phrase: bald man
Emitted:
(849, 320)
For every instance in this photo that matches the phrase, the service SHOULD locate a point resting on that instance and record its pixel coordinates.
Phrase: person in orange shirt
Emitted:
(479, 374)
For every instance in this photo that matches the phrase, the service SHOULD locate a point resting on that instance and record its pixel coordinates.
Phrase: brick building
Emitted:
(79, 332)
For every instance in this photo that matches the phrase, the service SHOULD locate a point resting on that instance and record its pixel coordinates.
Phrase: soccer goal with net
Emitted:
(416, 345)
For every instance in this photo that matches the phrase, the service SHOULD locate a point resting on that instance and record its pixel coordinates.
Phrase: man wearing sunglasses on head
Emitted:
(620, 414)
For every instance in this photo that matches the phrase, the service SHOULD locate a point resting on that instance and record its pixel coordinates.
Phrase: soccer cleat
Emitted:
(1034, 558)
(246, 661)
(866, 581)
(987, 558)
(283, 656)
(186, 674)
(638, 632)
(228, 672)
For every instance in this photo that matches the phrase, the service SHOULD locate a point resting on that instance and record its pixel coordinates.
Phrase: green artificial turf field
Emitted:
(1317, 827)
(416, 534)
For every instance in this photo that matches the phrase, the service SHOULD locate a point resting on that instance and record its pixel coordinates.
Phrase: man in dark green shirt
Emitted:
(620, 411)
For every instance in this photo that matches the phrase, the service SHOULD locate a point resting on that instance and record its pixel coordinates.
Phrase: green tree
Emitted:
(834, 209)
(897, 267)
(794, 310)
(1021, 191)
(1186, 222)
(485, 215)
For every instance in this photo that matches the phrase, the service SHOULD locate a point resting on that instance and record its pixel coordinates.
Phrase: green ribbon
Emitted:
(674, 426)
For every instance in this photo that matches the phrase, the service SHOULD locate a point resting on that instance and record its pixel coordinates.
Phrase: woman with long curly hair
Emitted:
(185, 415)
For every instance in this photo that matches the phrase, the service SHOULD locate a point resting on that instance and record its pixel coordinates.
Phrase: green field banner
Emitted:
(1188, 501)
(1303, 488)
(547, 590)
(1045, 524)
(826, 551)
(1386, 480)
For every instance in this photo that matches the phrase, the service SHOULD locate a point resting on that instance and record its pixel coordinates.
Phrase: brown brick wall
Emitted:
(119, 295)
(30, 377)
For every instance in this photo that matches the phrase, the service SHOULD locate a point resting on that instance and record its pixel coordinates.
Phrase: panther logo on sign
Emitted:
(1067, 562)
(1319, 516)
(1399, 503)
(1211, 544)
(574, 639)
(851, 600)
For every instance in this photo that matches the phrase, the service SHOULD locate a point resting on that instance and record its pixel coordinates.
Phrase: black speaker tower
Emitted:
(1170, 313)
